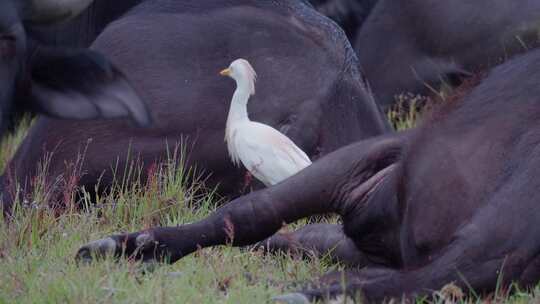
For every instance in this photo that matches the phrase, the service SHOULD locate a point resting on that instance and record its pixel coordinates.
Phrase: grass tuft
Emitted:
(407, 111)
(38, 245)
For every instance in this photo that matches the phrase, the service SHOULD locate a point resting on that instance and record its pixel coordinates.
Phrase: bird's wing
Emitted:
(285, 144)
(269, 155)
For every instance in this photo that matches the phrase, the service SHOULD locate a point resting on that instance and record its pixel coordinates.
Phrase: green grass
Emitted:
(37, 247)
(407, 111)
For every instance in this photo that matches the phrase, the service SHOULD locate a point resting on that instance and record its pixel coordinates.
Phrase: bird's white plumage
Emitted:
(265, 152)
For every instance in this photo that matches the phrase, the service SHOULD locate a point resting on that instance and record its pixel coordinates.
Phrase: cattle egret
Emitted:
(266, 153)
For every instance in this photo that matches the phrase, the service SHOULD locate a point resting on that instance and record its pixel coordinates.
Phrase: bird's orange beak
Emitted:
(226, 72)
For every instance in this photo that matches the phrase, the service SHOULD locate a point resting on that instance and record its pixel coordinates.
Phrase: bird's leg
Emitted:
(248, 178)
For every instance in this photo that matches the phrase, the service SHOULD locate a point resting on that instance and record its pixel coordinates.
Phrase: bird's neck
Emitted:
(238, 111)
(237, 114)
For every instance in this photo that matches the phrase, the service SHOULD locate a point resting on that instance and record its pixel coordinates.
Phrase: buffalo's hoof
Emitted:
(141, 247)
(96, 249)
(291, 298)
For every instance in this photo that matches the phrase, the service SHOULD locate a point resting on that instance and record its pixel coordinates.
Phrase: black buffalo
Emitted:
(454, 200)
(59, 82)
(309, 87)
(417, 45)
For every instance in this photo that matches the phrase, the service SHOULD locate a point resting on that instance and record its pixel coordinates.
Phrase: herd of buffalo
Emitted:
(449, 201)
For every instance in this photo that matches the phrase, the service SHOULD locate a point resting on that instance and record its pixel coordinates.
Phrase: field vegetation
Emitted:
(37, 246)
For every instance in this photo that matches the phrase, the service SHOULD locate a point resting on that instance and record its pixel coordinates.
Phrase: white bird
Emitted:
(266, 153)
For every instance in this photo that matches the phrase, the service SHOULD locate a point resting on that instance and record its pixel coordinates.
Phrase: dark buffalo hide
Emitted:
(418, 45)
(82, 30)
(57, 81)
(308, 87)
(453, 201)
(349, 14)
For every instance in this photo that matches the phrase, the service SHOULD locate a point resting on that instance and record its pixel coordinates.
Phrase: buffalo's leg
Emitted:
(460, 265)
(497, 246)
(258, 215)
(319, 240)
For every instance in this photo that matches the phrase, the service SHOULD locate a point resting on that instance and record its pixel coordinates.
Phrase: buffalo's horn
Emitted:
(53, 11)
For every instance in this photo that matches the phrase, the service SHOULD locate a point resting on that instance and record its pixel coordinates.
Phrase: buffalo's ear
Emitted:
(82, 84)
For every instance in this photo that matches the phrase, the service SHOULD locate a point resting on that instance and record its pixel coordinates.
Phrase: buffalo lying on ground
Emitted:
(415, 45)
(309, 88)
(59, 82)
(454, 200)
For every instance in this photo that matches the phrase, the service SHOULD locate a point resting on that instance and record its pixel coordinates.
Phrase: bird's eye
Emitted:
(7, 46)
